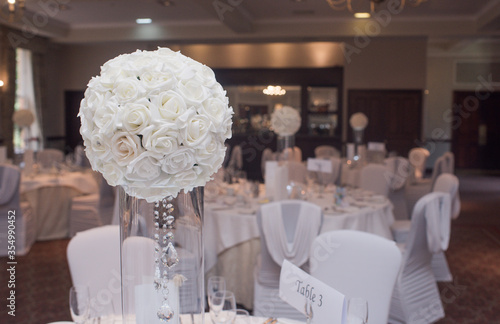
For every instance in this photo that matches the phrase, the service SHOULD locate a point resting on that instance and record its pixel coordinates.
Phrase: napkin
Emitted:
(280, 183)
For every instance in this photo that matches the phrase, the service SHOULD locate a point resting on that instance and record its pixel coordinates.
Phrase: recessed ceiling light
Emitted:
(143, 21)
(362, 15)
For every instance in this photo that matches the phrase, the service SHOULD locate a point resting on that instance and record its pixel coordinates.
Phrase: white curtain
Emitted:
(25, 94)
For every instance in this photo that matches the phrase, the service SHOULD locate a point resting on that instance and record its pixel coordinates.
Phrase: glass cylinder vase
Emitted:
(285, 147)
(162, 258)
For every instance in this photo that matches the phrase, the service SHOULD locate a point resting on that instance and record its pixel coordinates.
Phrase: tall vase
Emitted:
(285, 146)
(162, 258)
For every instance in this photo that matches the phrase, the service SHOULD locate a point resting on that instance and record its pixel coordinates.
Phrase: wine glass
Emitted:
(357, 311)
(215, 284)
(79, 304)
(222, 307)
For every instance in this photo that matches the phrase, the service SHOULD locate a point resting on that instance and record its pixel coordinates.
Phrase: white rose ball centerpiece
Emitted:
(155, 122)
(285, 121)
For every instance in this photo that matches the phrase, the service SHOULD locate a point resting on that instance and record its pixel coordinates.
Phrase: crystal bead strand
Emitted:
(166, 256)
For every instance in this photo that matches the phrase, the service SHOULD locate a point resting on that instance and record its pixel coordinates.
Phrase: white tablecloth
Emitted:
(50, 198)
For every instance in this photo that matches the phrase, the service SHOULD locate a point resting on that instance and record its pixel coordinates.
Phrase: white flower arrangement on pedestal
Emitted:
(23, 118)
(155, 122)
(285, 121)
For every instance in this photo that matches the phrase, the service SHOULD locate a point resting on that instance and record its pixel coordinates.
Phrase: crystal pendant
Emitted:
(170, 257)
(165, 313)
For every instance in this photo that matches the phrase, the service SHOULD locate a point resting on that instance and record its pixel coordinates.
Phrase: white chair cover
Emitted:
(267, 272)
(236, 160)
(291, 154)
(46, 158)
(398, 171)
(267, 155)
(280, 242)
(326, 151)
(358, 264)
(416, 297)
(94, 261)
(373, 178)
(10, 206)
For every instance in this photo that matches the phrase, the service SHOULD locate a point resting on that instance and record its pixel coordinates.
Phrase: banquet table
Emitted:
(232, 238)
(50, 194)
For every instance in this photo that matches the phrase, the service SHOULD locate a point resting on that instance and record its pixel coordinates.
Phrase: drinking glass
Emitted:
(222, 307)
(215, 284)
(357, 311)
(79, 304)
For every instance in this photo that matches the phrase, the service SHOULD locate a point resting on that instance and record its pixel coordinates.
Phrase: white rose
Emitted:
(163, 139)
(112, 173)
(107, 117)
(168, 105)
(157, 81)
(209, 154)
(125, 148)
(99, 144)
(186, 179)
(128, 89)
(195, 130)
(193, 92)
(180, 160)
(215, 109)
(136, 116)
(145, 167)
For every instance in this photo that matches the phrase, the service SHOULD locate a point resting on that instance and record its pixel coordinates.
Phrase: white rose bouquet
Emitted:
(285, 121)
(23, 118)
(155, 122)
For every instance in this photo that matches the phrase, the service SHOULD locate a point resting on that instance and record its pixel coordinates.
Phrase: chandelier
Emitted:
(274, 91)
(354, 6)
(12, 10)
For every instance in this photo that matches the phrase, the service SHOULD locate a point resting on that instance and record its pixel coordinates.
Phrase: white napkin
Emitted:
(271, 167)
(280, 183)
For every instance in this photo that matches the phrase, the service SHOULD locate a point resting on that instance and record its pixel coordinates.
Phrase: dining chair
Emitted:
(93, 210)
(398, 172)
(326, 151)
(94, 261)
(47, 157)
(358, 264)
(419, 187)
(447, 183)
(13, 211)
(373, 178)
(416, 297)
(287, 229)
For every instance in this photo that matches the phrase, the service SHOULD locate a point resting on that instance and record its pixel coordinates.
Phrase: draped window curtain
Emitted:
(38, 47)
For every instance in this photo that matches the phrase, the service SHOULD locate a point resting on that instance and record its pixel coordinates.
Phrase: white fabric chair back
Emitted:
(358, 264)
(94, 261)
(416, 296)
(398, 171)
(449, 183)
(281, 224)
(291, 154)
(373, 179)
(326, 151)
(267, 155)
(46, 158)
(236, 160)
(449, 167)
(10, 177)
(443, 164)
(417, 157)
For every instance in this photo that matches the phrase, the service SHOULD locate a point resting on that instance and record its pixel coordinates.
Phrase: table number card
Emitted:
(301, 291)
(319, 165)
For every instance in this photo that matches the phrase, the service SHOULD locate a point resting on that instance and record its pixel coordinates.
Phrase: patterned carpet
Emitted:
(43, 279)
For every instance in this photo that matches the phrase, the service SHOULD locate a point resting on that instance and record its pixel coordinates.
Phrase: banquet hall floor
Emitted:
(43, 278)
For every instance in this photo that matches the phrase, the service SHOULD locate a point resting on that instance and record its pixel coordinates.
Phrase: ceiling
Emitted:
(230, 21)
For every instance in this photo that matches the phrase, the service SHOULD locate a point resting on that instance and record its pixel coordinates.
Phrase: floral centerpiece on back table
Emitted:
(154, 123)
(285, 122)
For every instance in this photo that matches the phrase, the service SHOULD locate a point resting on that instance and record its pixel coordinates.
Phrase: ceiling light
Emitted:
(142, 21)
(362, 15)
(354, 5)
(15, 9)
(274, 91)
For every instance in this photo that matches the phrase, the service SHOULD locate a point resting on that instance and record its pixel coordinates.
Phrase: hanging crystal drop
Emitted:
(169, 236)
(170, 257)
(170, 220)
(165, 313)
